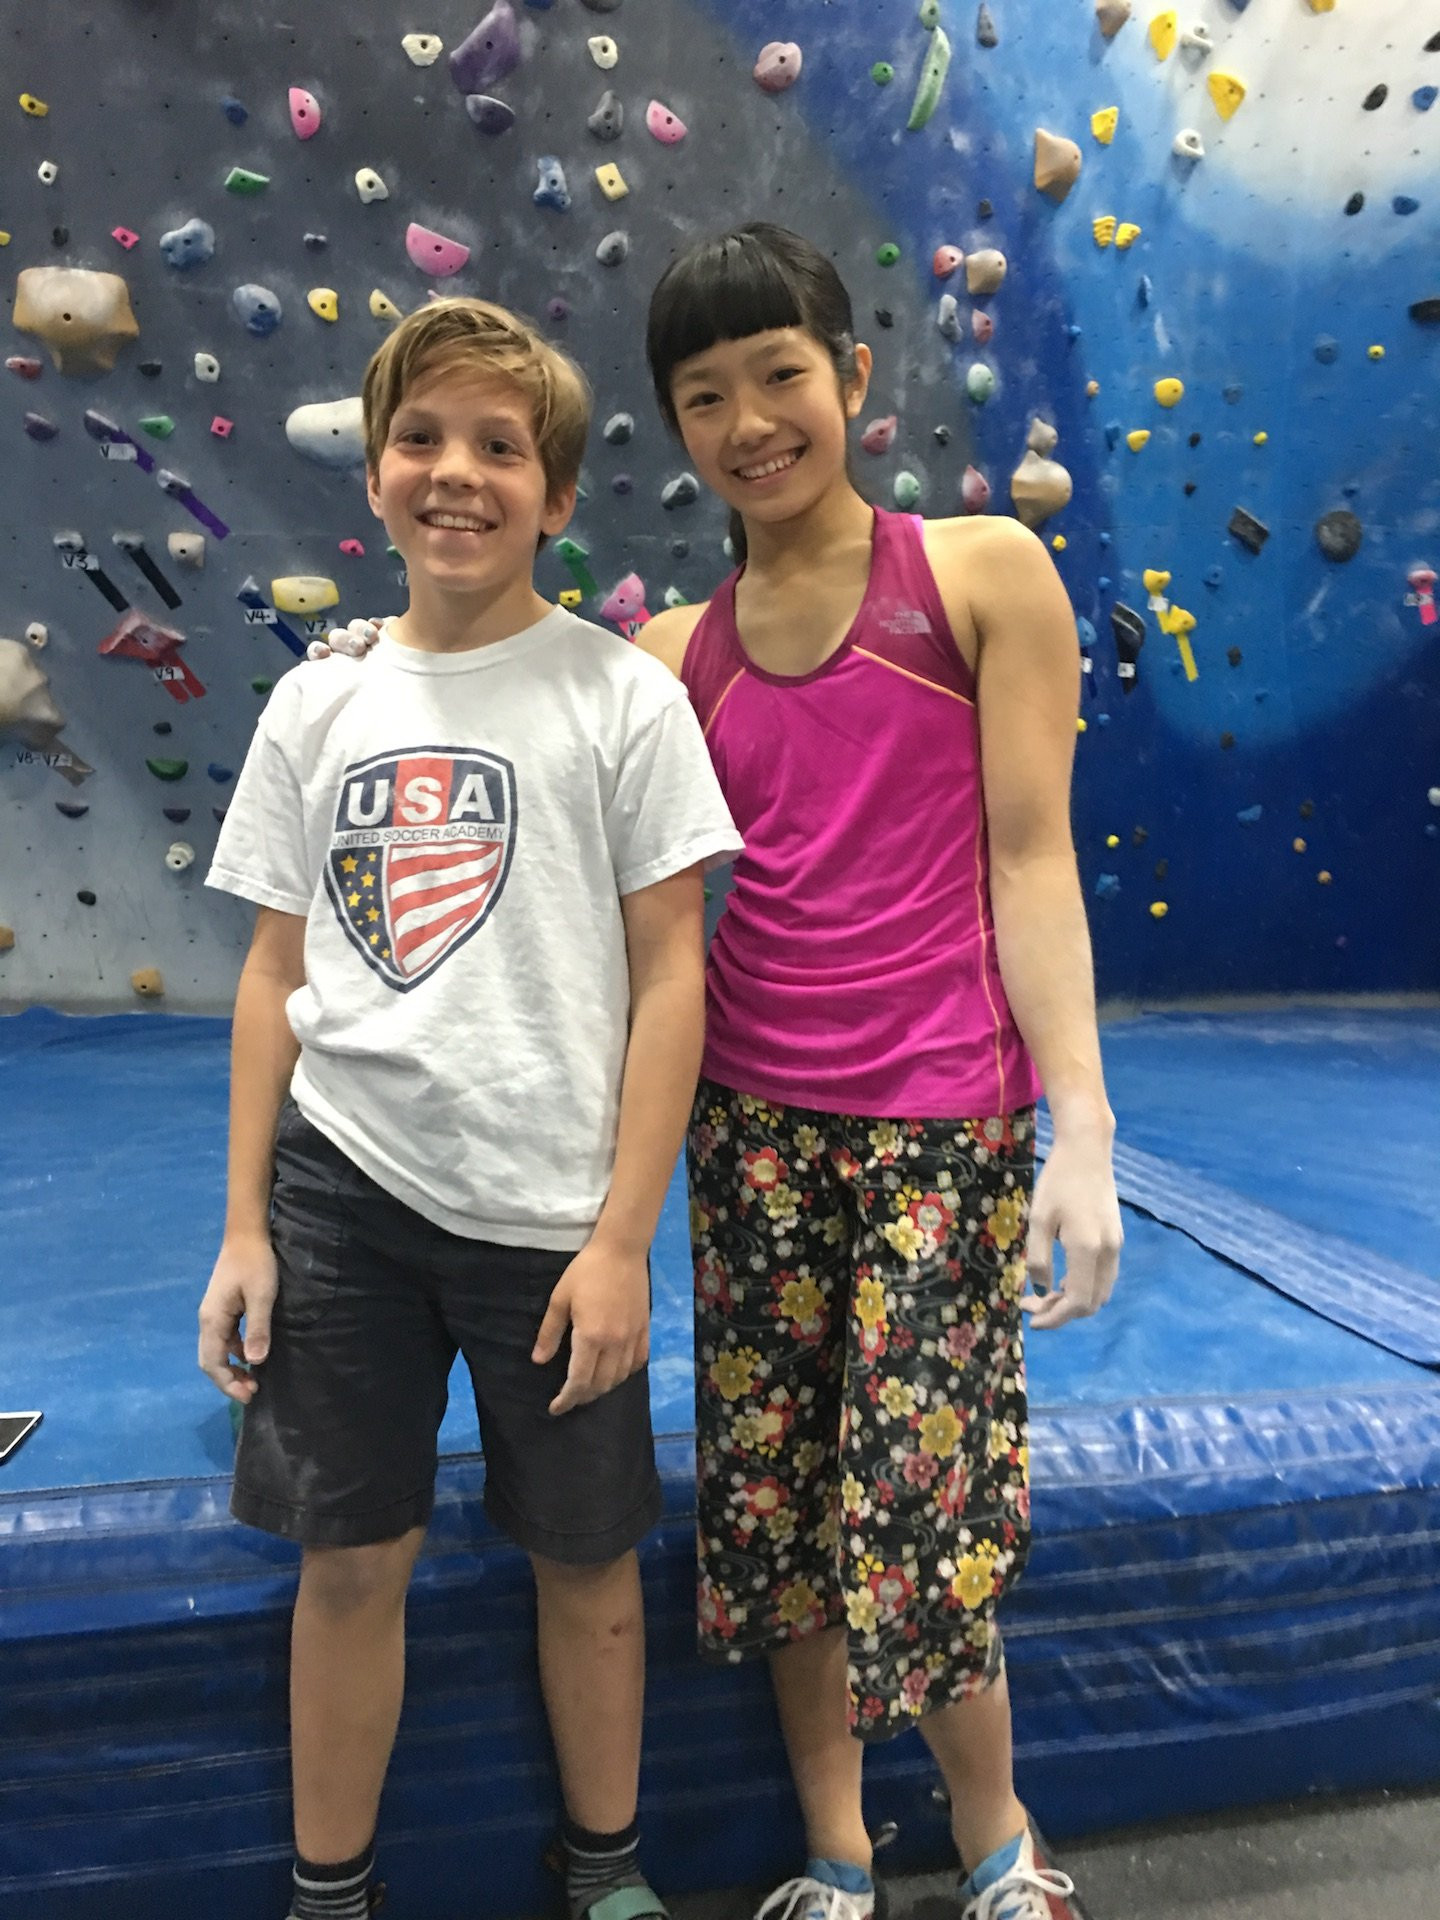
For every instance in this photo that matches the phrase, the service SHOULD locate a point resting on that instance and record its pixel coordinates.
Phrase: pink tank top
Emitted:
(853, 969)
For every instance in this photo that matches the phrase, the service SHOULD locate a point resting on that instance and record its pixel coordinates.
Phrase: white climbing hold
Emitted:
(37, 635)
(370, 186)
(207, 368)
(179, 855)
(423, 49)
(47, 173)
(329, 431)
(603, 51)
(1197, 39)
(1188, 145)
(187, 549)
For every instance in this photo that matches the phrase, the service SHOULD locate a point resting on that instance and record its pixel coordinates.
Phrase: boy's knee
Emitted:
(352, 1579)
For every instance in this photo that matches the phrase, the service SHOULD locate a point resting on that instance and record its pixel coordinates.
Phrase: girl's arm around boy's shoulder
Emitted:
(669, 634)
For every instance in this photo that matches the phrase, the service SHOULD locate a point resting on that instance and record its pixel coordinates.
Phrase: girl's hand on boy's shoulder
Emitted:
(354, 641)
(603, 1297)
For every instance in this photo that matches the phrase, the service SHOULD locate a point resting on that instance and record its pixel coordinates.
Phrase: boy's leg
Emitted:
(591, 1627)
(347, 1679)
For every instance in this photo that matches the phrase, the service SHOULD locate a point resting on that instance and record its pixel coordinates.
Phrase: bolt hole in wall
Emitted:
(1164, 284)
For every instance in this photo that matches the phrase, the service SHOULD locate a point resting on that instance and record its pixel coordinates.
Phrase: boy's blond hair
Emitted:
(477, 336)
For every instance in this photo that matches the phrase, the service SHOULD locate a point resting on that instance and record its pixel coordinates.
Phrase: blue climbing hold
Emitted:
(234, 112)
(490, 115)
(1214, 576)
(1112, 434)
(1104, 583)
(218, 773)
(1087, 633)
(189, 246)
(1145, 292)
(1234, 393)
(1327, 350)
(1424, 98)
(1107, 886)
(540, 6)
(258, 307)
(1105, 539)
(1250, 816)
(552, 190)
(1073, 331)
(1405, 203)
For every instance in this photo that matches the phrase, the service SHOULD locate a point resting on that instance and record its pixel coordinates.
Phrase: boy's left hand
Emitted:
(356, 640)
(604, 1298)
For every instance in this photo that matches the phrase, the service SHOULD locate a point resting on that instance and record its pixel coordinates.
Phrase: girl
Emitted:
(890, 705)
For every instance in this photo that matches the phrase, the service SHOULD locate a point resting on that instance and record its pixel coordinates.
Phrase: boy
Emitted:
(477, 972)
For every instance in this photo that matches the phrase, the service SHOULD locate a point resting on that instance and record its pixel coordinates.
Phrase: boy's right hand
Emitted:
(243, 1286)
(356, 640)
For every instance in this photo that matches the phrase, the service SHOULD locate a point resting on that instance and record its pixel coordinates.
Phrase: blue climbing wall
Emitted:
(1276, 806)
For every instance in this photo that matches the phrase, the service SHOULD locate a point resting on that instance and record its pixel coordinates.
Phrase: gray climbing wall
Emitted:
(137, 129)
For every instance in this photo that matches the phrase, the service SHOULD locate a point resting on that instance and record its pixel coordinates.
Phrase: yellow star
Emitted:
(384, 953)
(352, 899)
(367, 879)
(373, 914)
(374, 939)
(349, 863)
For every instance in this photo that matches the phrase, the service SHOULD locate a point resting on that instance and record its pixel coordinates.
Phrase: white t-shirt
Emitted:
(459, 830)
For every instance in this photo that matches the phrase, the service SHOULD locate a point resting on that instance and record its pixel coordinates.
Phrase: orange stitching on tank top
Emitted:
(985, 963)
(715, 710)
(919, 678)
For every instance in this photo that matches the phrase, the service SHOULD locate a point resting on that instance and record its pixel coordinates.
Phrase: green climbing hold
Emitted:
(882, 73)
(907, 492)
(261, 686)
(575, 557)
(980, 383)
(168, 769)
(929, 14)
(932, 82)
(158, 425)
(888, 254)
(241, 180)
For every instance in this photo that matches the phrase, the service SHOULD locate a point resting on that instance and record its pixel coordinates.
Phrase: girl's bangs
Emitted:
(726, 291)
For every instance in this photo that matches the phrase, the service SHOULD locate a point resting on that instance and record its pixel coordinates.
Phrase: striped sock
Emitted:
(333, 1893)
(597, 1863)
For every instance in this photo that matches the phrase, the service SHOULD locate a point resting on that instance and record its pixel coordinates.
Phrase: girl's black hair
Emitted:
(751, 280)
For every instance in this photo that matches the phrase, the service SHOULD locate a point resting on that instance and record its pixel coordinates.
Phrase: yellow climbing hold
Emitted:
(1081, 726)
(1092, 387)
(1177, 620)
(4, 238)
(1104, 123)
(383, 307)
(1322, 6)
(1059, 543)
(1227, 90)
(612, 182)
(1127, 235)
(148, 983)
(1138, 439)
(1155, 580)
(571, 597)
(1261, 438)
(1164, 32)
(1376, 352)
(1158, 909)
(1169, 392)
(307, 593)
(324, 301)
(37, 109)
(1300, 846)
(1112, 839)
(1324, 877)
(1105, 229)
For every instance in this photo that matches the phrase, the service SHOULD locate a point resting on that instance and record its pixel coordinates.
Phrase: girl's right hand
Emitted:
(355, 641)
(243, 1286)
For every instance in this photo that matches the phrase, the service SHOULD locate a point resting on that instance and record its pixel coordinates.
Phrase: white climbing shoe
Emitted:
(1027, 1891)
(807, 1899)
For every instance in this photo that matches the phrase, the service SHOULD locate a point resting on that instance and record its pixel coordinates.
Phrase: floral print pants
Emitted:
(861, 1410)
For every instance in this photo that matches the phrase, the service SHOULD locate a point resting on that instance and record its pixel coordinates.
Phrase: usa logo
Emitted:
(418, 860)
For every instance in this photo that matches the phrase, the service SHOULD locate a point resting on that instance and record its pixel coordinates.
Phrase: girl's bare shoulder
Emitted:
(669, 634)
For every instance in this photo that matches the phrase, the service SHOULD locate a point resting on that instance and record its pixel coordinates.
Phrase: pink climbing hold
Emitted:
(221, 427)
(126, 238)
(304, 113)
(26, 368)
(667, 127)
(948, 260)
(1422, 593)
(353, 549)
(983, 327)
(433, 253)
(879, 436)
(625, 608)
(975, 491)
(778, 66)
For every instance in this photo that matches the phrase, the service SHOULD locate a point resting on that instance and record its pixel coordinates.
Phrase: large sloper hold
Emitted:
(83, 317)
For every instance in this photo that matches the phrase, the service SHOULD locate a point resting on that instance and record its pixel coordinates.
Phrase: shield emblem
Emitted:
(419, 856)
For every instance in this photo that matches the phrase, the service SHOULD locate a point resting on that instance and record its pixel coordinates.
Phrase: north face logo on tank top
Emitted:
(418, 859)
(905, 620)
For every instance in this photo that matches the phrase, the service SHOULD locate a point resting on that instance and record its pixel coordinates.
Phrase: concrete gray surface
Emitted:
(1370, 1858)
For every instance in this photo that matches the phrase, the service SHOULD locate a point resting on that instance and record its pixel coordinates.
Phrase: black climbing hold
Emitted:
(1249, 531)
(985, 32)
(39, 428)
(1129, 629)
(177, 815)
(683, 491)
(1355, 203)
(1162, 869)
(984, 211)
(163, 727)
(72, 809)
(622, 483)
(490, 115)
(85, 897)
(619, 429)
(1376, 97)
(601, 6)
(1432, 45)
(942, 436)
(884, 317)
(1190, 486)
(607, 122)
(1195, 439)
(613, 249)
(1227, 741)
(1426, 312)
(152, 369)
(315, 241)
(1234, 656)
(1307, 807)
(61, 236)
(220, 812)
(680, 549)
(1139, 837)
(1340, 534)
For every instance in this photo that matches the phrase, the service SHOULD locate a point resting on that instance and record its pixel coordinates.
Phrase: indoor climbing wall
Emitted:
(1165, 286)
